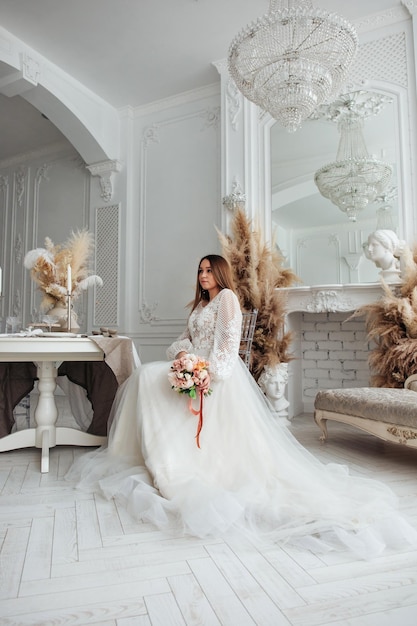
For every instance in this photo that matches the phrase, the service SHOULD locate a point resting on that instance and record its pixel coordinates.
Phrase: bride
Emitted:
(247, 473)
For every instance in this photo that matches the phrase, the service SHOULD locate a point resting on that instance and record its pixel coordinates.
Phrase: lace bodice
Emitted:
(213, 331)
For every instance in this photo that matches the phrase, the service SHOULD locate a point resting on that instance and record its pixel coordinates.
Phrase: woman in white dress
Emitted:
(249, 473)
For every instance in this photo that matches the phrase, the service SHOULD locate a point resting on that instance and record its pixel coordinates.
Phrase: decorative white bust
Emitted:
(384, 248)
(273, 382)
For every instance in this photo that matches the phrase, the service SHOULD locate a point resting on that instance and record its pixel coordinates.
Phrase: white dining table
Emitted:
(47, 353)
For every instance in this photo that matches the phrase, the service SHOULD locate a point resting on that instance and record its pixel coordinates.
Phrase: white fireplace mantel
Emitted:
(331, 298)
(328, 299)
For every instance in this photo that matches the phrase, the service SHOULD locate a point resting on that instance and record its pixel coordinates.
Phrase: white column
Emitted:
(245, 152)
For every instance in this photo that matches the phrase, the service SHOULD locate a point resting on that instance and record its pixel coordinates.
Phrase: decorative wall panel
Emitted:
(107, 265)
(41, 195)
(383, 59)
(4, 193)
(179, 191)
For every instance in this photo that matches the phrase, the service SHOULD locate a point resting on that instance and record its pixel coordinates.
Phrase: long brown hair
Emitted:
(222, 274)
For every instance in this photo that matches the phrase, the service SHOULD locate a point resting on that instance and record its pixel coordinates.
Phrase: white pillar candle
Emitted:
(69, 278)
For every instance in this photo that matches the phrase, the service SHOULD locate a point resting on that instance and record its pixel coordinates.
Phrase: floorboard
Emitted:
(69, 557)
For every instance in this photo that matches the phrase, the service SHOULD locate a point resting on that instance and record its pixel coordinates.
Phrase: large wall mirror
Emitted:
(319, 242)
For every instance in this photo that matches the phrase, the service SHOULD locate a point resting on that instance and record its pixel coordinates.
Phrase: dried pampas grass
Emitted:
(258, 272)
(48, 268)
(391, 324)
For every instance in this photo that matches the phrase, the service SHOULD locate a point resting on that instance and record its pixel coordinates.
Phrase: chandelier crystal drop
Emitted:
(384, 214)
(355, 179)
(292, 59)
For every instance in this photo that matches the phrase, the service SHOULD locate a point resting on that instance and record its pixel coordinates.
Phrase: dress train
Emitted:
(250, 474)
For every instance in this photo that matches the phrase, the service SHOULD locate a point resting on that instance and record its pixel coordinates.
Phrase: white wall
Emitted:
(170, 223)
(153, 221)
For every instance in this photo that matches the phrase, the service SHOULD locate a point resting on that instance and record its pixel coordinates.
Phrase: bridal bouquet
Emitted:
(189, 375)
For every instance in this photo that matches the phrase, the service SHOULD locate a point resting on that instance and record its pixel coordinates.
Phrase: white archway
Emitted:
(89, 123)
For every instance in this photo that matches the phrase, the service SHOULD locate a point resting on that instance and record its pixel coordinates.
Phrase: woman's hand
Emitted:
(181, 354)
(204, 385)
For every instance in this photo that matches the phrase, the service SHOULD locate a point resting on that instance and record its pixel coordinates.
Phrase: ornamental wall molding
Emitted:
(31, 68)
(41, 174)
(221, 66)
(331, 298)
(105, 170)
(211, 118)
(23, 79)
(179, 100)
(147, 313)
(53, 148)
(328, 301)
(411, 6)
(17, 303)
(18, 248)
(362, 102)
(333, 240)
(150, 135)
(4, 183)
(379, 20)
(353, 260)
(20, 180)
(155, 134)
(234, 102)
(233, 96)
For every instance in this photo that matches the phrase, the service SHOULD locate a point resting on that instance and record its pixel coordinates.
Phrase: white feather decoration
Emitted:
(32, 257)
(90, 281)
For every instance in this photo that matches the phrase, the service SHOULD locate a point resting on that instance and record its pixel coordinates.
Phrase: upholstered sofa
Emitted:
(387, 413)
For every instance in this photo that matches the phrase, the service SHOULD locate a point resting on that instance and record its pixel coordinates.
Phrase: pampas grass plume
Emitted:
(391, 324)
(48, 267)
(257, 273)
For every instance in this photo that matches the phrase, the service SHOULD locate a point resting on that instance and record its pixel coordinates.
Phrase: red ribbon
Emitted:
(200, 413)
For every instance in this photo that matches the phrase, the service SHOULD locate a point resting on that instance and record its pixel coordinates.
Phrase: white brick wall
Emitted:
(334, 353)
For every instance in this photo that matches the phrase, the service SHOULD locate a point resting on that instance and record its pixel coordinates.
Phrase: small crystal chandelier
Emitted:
(292, 59)
(236, 199)
(355, 179)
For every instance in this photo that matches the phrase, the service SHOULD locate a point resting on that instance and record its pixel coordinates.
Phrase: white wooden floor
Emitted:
(73, 558)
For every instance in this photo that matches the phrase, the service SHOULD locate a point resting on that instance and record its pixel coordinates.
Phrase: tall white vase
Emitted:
(60, 311)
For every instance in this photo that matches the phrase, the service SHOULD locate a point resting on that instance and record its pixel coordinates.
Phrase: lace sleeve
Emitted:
(227, 333)
(182, 343)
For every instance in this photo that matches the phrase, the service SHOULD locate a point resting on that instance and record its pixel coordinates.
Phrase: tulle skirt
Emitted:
(249, 475)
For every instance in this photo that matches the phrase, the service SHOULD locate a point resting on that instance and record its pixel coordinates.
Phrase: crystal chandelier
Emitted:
(292, 59)
(235, 200)
(355, 179)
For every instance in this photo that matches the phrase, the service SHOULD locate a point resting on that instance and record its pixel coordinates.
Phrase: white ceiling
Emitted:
(131, 52)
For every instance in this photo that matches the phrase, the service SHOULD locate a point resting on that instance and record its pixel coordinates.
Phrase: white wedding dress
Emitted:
(250, 474)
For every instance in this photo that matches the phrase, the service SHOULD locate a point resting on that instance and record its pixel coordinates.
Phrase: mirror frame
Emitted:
(405, 109)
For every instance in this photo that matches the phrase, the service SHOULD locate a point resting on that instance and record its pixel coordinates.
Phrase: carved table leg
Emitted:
(46, 412)
(45, 452)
